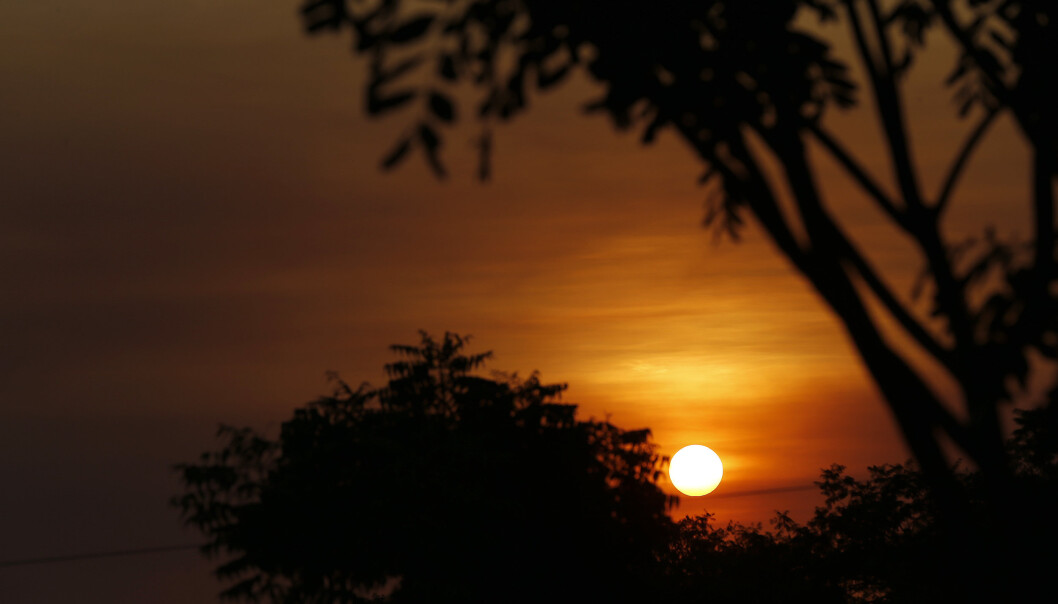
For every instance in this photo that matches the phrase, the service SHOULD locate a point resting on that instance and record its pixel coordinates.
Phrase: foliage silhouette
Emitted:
(463, 488)
(453, 487)
(873, 540)
(745, 84)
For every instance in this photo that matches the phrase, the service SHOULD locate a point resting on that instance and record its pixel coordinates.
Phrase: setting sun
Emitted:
(695, 470)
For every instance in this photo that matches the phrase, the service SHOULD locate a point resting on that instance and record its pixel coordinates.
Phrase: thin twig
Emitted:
(960, 161)
(922, 221)
(871, 278)
(831, 248)
(908, 322)
(890, 109)
(859, 174)
(883, 40)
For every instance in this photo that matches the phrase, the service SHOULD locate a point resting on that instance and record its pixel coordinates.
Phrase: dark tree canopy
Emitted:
(451, 487)
(463, 488)
(876, 539)
(745, 85)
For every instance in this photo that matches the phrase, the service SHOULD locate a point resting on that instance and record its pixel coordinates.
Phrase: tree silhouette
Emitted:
(877, 539)
(745, 86)
(454, 487)
(873, 540)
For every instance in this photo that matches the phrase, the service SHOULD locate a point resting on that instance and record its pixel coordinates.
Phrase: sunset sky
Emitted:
(194, 228)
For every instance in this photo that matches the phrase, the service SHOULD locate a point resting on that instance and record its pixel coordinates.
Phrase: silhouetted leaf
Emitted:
(901, 66)
(959, 71)
(842, 99)
(431, 145)
(514, 98)
(397, 154)
(823, 8)
(913, 19)
(988, 62)
(546, 79)
(488, 106)
(1000, 40)
(442, 107)
(384, 76)
(447, 67)
(650, 132)
(323, 14)
(710, 173)
(429, 137)
(364, 42)
(485, 155)
(411, 30)
(377, 105)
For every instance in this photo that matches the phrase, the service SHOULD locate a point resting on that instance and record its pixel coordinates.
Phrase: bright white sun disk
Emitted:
(695, 470)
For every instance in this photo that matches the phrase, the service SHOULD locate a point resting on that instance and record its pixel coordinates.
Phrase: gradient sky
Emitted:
(193, 229)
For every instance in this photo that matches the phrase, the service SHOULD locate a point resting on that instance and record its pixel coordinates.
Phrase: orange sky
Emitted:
(194, 229)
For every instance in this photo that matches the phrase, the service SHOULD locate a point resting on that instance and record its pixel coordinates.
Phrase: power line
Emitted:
(91, 555)
(768, 491)
(175, 548)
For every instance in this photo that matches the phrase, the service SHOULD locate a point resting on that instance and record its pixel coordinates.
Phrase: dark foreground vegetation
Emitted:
(444, 486)
(751, 88)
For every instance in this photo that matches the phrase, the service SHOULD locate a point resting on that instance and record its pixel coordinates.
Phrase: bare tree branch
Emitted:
(883, 39)
(960, 161)
(759, 196)
(898, 311)
(859, 175)
(890, 109)
(870, 276)
(916, 404)
(923, 225)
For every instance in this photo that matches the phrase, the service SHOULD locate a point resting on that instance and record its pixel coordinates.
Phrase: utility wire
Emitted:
(768, 491)
(175, 548)
(110, 554)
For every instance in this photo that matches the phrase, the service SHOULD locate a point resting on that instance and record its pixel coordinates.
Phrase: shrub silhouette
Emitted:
(876, 539)
(459, 488)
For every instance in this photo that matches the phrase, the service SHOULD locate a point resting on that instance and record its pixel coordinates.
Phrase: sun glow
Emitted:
(695, 470)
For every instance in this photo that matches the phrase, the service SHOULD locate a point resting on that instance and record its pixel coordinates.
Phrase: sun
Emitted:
(695, 470)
